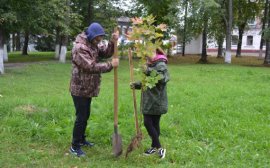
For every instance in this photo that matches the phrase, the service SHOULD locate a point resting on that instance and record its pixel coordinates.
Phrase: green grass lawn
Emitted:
(218, 117)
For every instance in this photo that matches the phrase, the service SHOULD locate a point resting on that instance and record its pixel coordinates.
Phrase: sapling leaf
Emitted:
(153, 74)
(143, 34)
(137, 20)
(162, 27)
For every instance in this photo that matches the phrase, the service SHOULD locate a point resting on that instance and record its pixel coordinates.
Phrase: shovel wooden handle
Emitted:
(133, 92)
(115, 88)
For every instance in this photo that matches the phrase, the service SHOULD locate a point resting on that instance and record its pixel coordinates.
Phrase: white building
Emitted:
(250, 41)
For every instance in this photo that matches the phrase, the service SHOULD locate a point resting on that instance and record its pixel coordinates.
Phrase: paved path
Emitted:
(234, 53)
(20, 65)
(23, 65)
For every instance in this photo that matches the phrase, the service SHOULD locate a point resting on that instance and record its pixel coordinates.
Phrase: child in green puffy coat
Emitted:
(155, 100)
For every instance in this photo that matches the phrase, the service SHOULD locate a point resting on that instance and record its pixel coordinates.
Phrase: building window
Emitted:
(252, 23)
(234, 40)
(249, 40)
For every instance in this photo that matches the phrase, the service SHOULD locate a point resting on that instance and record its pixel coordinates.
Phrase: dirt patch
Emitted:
(30, 109)
(15, 65)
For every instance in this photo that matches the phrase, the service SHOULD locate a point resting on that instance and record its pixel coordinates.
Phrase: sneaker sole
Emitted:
(148, 154)
(75, 154)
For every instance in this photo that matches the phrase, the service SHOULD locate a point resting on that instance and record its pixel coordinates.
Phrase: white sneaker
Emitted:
(150, 151)
(162, 153)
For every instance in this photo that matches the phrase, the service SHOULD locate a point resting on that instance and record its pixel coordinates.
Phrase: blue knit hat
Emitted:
(94, 30)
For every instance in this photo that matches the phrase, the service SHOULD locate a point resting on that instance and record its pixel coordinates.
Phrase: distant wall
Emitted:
(195, 46)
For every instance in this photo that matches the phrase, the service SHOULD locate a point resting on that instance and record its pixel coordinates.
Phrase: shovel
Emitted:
(117, 139)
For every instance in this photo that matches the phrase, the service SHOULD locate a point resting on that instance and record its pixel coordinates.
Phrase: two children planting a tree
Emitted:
(86, 70)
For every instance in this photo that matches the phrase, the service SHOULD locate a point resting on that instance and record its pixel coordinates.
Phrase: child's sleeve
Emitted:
(163, 71)
(138, 85)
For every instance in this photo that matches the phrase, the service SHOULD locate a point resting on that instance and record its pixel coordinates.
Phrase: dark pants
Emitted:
(82, 106)
(151, 123)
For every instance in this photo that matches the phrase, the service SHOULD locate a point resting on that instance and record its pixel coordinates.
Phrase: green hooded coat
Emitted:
(155, 100)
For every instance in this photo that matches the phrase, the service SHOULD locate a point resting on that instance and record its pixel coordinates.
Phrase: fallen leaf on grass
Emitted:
(66, 154)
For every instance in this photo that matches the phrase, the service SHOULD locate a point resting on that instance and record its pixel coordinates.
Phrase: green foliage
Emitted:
(150, 81)
(266, 32)
(144, 33)
(104, 12)
(168, 48)
(7, 15)
(157, 8)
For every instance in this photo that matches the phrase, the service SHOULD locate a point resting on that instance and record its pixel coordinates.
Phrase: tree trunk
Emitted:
(5, 59)
(2, 34)
(267, 54)
(18, 41)
(13, 42)
(204, 42)
(185, 28)
(49, 44)
(263, 27)
(228, 54)
(220, 51)
(63, 50)
(25, 45)
(65, 37)
(57, 44)
(239, 43)
(220, 47)
(90, 12)
(5, 56)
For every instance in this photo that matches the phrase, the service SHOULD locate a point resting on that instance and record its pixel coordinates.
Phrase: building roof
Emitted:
(123, 19)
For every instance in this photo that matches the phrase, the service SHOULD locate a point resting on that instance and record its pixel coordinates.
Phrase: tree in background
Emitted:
(65, 34)
(207, 9)
(217, 28)
(199, 24)
(182, 23)
(30, 18)
(267, 37)
(263, 27)
(7, 18)
(48, 19)
(228, 22)
(246, 11)
(104, 12)
(157, 8)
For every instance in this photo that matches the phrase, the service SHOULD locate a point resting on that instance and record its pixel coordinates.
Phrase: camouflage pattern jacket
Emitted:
(86, 69)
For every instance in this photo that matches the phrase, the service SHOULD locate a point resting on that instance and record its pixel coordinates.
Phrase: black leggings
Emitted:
(82, 106)
(151, 123)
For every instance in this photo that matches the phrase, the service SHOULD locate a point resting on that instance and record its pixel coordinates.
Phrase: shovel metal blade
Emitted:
(117, 144)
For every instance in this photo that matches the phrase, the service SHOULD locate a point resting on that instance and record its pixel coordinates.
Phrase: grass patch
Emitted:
(218, 117)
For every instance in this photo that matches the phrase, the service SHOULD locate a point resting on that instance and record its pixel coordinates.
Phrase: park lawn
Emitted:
(218, 117)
